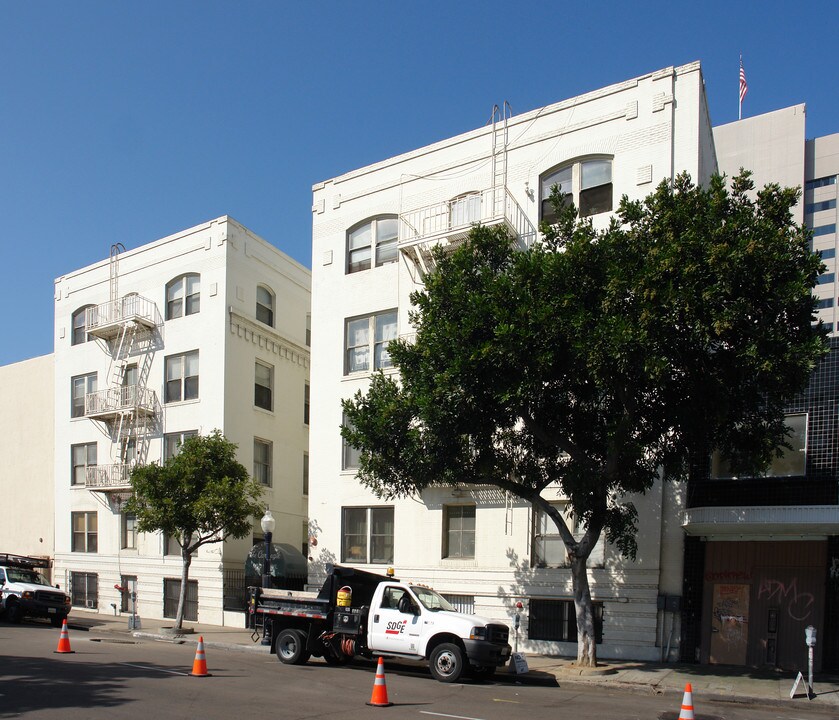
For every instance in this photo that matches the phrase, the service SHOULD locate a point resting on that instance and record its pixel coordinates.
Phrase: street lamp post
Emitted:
(268, 523)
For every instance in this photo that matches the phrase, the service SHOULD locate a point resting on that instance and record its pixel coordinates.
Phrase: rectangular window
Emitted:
(173, 441)
(462, 603)
(548, 547)
(308, 330)
(556, 620)
(818, 206)
(171, 594)
(367, 535)
(84, 589)
(459, 531)
(262, 457)
(827, 253)
(306, 400)
(793, 460)
(82, 456)
(81, 386)
(85, 537)
(129, 531)
(820, 182)
(305, 473)
(263, 386)
(182, 377)
(824, 230)
(824, 303)
(350, 456)
(366, 338)
(826, 278)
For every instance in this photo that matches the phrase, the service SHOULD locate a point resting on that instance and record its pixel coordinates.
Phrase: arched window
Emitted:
(79, 335)
(372, 238)
(264, 305)
(586, 183)
(183, 296)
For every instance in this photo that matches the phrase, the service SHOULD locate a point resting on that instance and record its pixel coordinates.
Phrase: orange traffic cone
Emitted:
(687, 704)
(64, 640)
(379, 696)
(199, 665)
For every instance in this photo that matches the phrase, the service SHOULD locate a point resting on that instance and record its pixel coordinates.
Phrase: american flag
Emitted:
(744, 87)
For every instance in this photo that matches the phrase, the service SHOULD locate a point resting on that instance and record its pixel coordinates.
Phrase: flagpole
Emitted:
(740, 94)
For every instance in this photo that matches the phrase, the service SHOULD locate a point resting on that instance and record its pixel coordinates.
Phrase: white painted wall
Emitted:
(650, 138)
(26, 436)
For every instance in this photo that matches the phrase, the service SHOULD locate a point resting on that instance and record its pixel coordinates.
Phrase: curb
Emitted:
(187, 640)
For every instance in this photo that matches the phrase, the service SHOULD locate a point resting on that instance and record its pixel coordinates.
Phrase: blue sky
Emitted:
(128, 121)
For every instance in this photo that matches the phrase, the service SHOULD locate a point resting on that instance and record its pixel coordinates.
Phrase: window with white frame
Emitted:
(305, 473)
(85, 532)
(459, 531)
(81, 385)
(367, 535)
(792, 461)
(172, 442)
(308, 330)
(373, 238)
(82, 457)
(350, 456)
(129, 532)
(79, 335)
(306, 403)
(586, 183)
(183, 296)
(366, 341)
(263, 386)
(262, 460)
(181, 377)
(548, 548)
(265, 305)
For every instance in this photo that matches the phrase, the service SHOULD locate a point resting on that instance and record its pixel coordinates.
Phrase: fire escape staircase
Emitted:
(128, 328)
(447, 224)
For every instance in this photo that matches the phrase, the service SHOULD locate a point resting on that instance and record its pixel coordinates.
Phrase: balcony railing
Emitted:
(106, 320)
(451, 220)
(794, 520)
(109, 477)
(120, 400)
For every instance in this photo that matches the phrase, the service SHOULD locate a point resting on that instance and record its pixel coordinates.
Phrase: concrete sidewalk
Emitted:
(730, 684)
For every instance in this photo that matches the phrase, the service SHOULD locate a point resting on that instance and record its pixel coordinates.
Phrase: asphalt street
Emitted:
(122, 677)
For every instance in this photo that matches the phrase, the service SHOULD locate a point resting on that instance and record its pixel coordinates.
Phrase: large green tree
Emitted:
(597, 360)
(199, 496)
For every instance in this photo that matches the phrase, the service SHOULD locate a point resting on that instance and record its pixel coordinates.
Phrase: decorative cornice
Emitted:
(261, 336)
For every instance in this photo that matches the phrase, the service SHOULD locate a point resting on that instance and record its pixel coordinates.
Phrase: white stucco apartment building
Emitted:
(372, 229)
(205, 329)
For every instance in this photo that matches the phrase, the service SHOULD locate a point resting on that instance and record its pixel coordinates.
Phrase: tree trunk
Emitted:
(586, 646)
(187, 560)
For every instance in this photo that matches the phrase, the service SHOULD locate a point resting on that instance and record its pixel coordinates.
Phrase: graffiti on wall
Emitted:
(798, 605)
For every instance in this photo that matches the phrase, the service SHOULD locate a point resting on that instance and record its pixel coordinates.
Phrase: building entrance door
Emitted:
(730, 624)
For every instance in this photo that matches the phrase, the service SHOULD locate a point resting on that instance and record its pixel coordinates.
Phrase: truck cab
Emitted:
(24, 591)
(413, 621)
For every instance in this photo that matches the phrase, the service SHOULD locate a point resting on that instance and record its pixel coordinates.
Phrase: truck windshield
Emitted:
(25, 576)
(431, 600)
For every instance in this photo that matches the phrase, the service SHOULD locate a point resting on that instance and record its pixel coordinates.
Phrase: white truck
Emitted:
(25, 593)
(362, 613)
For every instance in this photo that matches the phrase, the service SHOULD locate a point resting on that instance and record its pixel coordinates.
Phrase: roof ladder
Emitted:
(500, 118)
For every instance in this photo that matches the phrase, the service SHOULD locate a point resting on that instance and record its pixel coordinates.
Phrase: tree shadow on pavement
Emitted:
(34, 684)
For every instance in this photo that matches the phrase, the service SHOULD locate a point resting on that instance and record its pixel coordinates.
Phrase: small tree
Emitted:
(597, 360)
(200, 496)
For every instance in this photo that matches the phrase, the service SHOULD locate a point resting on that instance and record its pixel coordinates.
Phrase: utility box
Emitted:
(347, 620)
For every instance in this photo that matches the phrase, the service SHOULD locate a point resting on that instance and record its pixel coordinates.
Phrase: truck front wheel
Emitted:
(13, 612)
(447, 663)
(291, 647)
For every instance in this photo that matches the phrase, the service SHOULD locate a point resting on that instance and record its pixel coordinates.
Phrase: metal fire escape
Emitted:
(128, 328)
(447, 224)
